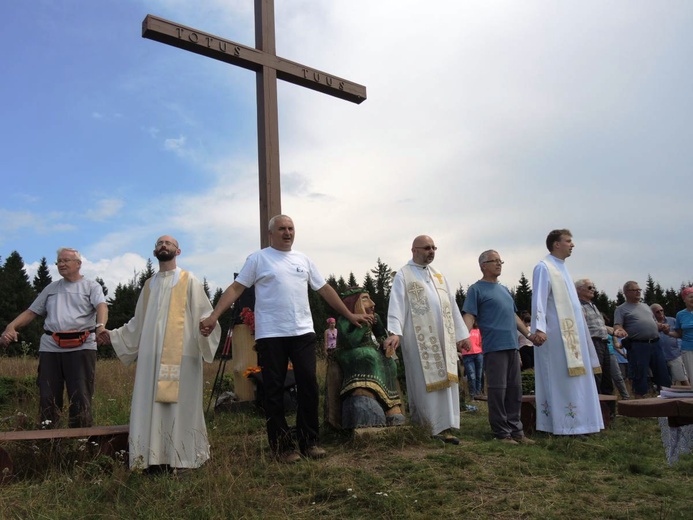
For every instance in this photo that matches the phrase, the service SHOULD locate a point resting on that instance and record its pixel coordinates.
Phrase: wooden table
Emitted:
(677, 430)
(679, 411)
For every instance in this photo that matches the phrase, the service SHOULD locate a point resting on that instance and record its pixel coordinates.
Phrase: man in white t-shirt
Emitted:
(284, 331)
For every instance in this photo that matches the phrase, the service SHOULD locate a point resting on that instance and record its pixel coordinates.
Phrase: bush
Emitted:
(528, 382)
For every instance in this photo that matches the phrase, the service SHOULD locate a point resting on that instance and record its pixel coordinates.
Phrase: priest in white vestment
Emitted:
(567, 401)
(424, 313)
(167, 424)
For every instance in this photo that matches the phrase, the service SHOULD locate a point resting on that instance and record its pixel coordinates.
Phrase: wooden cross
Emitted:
(268, 67)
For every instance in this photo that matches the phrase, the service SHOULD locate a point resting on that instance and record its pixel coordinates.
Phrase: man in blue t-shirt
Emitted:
(493, 307)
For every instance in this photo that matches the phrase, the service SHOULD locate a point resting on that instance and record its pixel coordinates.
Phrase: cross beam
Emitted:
(268, 67)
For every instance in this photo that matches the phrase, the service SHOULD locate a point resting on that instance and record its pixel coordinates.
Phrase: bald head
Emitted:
(423, 250)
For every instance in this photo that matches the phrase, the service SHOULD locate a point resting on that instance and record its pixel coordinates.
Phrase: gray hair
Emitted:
(484, 256)
(70, 250)
(655, 306)
(627, 285)
(270, 226)
(581, 282)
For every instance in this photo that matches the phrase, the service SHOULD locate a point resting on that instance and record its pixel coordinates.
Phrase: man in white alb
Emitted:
(167, 424)
(566, 393)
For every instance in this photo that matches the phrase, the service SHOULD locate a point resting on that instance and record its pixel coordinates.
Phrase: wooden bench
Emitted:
(678, 411)
(109, 439)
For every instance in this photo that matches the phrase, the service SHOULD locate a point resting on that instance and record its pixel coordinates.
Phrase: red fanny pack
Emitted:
(70, 338)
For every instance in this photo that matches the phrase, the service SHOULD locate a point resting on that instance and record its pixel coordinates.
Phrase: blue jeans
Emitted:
(642, 357)
(474, 369)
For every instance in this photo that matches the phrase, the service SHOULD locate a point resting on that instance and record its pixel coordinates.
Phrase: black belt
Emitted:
(49, 333)
(653, 340)
(600, 339)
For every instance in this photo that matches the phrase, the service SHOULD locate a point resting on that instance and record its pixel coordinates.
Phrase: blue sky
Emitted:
(487, 124)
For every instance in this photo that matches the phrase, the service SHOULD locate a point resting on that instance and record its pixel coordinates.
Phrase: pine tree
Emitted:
(205, 286)
(383, 284)
(146, 274)
(341, 285)
(121, 306)
(217, 296)
(523, 295)
(653, 292)
(43, 276)
(460, 296)
(620, 298)
(17, 295)
(100, 281)
(369, 286)
(351, 282)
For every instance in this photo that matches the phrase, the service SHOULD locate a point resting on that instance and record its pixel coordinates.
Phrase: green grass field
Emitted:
(620, 474)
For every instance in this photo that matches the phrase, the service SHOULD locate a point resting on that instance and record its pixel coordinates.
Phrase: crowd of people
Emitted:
(569, 343)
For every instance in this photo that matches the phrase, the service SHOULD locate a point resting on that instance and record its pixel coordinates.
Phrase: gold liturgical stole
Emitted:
(172, 349)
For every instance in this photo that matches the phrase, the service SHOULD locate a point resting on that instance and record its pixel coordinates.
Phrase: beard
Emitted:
(164, 255)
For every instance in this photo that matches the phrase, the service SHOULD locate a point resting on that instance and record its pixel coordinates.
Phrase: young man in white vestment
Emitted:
(566, 393)
(424, 314)
(167, 424)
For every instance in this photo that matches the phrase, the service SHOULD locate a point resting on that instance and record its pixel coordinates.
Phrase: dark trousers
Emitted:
(273, 356)
(73, 370)
(504, 390)
(643, 356)
(527, 357)
(605, 384)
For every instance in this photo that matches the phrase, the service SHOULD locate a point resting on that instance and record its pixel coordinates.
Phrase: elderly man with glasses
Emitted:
(634, 322)
(493, 307)
(599, 333)
(74, 309)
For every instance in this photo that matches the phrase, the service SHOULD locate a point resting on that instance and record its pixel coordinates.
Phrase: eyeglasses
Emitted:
(166, 243)
(591, 288)
(634, 290)
(427, 248)
(65, 260)
(659, 310)
(499, 262)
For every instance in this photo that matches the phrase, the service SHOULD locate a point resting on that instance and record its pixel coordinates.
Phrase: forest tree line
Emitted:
(18, 291)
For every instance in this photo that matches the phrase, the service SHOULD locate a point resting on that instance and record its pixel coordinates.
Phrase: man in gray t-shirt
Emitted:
(634, 322)
(75, 309)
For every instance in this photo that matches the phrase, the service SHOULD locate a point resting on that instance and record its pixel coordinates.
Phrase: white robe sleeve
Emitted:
(126, 339)
(200, 307)
(396, 312)
(540, 297)
(461, 331)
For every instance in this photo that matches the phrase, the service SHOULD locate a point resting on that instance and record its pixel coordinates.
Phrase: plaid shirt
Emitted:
(594, 320)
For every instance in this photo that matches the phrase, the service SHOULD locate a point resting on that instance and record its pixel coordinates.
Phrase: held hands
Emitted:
(103, 338)
(464, 345)
(538, 338)
(620, 333)
(390, 345)
(358, 319)
(9, 336)
(207, 325)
